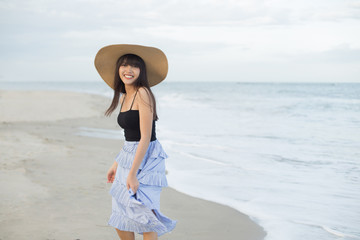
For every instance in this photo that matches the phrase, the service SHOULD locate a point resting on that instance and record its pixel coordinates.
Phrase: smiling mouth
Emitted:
(128, 76)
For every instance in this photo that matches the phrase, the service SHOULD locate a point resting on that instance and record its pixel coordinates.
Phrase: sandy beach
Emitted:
(53, 180)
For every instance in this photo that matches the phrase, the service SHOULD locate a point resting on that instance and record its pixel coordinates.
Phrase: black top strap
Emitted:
(133, 99)
(131, 103)
(122, 102)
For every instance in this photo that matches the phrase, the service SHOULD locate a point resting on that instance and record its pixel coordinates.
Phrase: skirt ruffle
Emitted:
(140, 212)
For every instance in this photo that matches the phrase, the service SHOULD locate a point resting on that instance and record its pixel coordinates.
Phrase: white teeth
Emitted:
(128, 76)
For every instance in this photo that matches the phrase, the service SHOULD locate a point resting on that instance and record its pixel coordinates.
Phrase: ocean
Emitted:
(286, 154)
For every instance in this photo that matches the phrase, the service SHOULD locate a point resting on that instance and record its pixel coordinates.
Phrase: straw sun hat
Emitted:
(155, 61)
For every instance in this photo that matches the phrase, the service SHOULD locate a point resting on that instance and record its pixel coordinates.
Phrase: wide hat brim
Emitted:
(155, 61)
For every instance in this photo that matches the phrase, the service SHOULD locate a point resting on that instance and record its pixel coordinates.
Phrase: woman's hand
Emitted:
(111, 173)
(132, 182)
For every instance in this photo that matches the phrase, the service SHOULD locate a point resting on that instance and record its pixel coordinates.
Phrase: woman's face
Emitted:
(129, 74)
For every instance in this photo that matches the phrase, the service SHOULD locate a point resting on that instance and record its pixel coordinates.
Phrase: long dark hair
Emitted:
(142, 81)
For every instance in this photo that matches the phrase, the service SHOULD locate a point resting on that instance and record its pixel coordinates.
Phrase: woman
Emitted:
(138, 173)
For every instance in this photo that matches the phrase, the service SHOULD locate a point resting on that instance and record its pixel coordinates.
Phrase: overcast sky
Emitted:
(212, 40)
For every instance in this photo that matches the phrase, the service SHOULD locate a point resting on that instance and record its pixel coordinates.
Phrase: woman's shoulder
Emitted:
(144, 94)
(143, 90)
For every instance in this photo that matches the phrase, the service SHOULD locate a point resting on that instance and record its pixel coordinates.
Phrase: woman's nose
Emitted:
(128, 68)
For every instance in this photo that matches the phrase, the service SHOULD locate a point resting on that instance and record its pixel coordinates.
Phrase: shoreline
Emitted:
(53, 178)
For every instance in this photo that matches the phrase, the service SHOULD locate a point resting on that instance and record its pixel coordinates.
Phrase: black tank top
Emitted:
(130, 122)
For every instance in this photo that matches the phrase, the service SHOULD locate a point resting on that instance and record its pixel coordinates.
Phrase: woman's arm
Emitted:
(146, 119)
(112, 170)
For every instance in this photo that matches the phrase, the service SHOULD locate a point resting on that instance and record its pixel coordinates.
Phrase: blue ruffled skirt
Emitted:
(140, 212)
